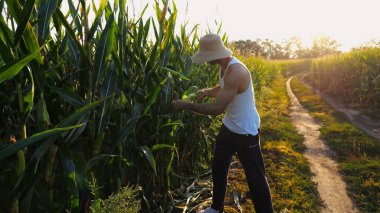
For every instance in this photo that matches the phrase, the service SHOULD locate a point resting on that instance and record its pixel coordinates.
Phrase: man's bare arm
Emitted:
(212, 92)
(224, 97)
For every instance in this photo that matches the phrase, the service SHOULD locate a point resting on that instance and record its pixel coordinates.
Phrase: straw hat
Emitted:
(210, 48)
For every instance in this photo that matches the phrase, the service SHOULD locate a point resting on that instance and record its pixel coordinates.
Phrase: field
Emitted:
(86, 123)
(85, 110)
(353, 77)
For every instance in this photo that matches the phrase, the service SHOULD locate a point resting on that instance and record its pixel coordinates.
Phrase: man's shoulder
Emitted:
(238, 69)
(235, 74)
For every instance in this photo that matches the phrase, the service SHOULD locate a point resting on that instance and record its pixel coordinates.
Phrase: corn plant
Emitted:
(83, 101)
(294, 66)
(353, 77)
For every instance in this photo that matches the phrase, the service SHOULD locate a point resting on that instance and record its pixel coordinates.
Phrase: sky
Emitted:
(350, 22)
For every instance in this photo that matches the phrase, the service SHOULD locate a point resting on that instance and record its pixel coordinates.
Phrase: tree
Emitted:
(324, 46)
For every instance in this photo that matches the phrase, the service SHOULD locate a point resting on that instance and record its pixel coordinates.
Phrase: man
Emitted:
(241, 125)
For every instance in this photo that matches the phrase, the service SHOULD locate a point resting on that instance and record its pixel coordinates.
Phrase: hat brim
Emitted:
(207, 56)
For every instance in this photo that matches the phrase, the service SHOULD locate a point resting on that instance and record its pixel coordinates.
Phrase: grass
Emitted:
(356, 152)
(124, 201)
(287, 170)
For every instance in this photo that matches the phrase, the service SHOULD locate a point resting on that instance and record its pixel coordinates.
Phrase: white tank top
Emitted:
(241, 114)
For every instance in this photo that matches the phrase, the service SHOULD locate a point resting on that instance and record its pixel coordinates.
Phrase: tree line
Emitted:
(288, 49)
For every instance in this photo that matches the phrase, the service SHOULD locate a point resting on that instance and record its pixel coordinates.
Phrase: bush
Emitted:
(125, 201)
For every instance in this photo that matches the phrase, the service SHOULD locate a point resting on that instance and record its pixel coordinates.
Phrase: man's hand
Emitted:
(223, 96)
(179, 105)
(201, 94)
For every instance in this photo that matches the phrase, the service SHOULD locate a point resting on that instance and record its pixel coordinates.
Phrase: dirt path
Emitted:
(367, 124)
(331, 187)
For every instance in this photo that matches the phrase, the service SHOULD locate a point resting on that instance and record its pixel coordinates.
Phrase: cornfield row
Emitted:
(353, 77)
(294, 66)
(85, 106)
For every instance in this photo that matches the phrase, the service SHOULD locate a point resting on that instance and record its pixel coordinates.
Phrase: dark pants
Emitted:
(248, 150)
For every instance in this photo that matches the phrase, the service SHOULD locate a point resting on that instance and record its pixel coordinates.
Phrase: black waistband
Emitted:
(223, 127)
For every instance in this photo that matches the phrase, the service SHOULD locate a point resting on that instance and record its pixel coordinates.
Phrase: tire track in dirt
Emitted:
(369, 125)
(330, 184)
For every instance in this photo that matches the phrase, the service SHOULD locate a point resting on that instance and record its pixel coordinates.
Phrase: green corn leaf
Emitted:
(31, 42)
(97, 19)
(5, 52)
(25, 15)
(29, 97)
(28, 200)
(149, 156)
(153, 96)
(144, 10)
(45, 12)
(189, 91)
(93, 7)
(195, 37)
(108, 11)
(177, 73)
(30, 38)
(219, 28)
(74, 134)
(95, 160)
(157, 10)
(169, 168)
(78, 114)
(29, 176)
(70, 31)
(162, 146)
(174, 123)
(43, 118)
(75, 16)
(169, 30)
(103, 49)
(14, 8)
(116, 4)
(146, 31)
(74, 51)
(156, 32)
(122, 29)
(5, 33)
(69, 169)
(70, 97)
(140, 32)
(153, 55)
(125, 131)
(63, 45)
(107, 88)
(1, 3)
(20, 144)
(8, 71)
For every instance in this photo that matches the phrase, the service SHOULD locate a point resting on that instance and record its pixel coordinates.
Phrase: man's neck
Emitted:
(224, 63)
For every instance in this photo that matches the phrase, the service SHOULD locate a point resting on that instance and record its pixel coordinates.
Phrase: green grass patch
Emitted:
(356, 152)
